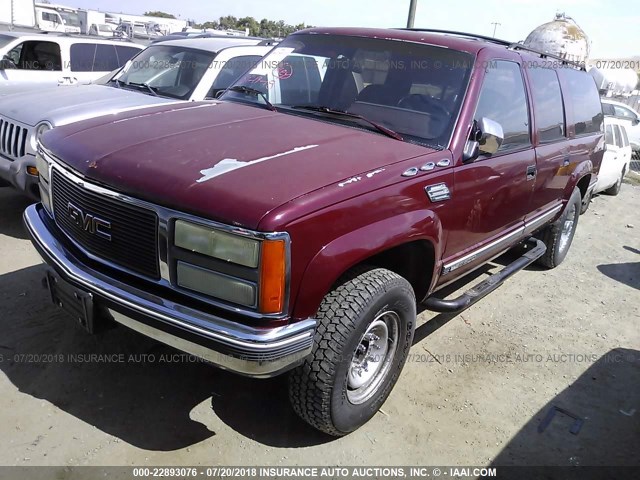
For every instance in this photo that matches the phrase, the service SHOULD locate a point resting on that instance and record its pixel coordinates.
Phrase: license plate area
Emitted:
(74, 301)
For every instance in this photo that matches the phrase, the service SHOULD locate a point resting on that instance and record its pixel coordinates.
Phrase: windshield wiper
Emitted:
(381, 128)
(145, 85)
(253, 91)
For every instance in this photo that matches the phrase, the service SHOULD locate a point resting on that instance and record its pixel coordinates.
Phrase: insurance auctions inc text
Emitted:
(375, 472)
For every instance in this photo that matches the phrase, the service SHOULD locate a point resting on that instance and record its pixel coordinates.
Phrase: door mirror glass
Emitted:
(491, 136)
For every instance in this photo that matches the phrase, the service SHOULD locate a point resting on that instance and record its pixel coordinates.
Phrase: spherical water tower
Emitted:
(562, 37)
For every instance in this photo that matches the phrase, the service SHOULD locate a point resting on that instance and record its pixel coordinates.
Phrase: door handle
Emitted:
(531, 172)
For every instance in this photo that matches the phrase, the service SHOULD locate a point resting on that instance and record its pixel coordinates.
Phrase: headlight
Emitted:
(216, 285)
(38, 132)
(217, 244)
(43, 167)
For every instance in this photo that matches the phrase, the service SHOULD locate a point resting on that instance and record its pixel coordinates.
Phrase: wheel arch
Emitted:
(407, 244)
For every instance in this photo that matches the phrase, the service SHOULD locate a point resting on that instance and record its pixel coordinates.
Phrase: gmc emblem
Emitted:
(89, 223)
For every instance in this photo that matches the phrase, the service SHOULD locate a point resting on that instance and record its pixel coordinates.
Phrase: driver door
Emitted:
(36, 62)
(493, 192)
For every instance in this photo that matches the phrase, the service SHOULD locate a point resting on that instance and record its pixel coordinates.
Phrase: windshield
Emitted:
(170, 71)
(6, 40)
(413, 89)
(70, 18)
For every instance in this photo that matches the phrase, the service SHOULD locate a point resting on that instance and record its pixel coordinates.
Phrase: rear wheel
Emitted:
(364, 334)
(559, 235)
(615, 189)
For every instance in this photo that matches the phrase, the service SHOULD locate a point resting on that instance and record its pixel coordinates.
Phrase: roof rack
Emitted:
(520, 46)
(460, 34)
(511, 45)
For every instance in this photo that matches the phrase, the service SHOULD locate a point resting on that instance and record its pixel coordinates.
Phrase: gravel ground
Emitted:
(473, 393)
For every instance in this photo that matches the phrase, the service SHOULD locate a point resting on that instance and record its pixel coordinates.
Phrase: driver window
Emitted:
(503, 100)
(36, 55)
(14, 55)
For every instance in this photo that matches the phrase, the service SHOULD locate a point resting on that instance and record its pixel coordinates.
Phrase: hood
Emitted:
(224, 161)
(63, 105)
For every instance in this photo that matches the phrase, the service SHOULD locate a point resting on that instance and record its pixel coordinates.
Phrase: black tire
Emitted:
(586, 201)
(322, 390)
(559, 235)
(615, 189)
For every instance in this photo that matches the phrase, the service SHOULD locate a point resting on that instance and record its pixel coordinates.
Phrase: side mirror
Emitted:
(486, 139)
(635, 121)
(6, 63)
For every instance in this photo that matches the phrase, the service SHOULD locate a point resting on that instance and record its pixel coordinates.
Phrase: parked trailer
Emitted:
(31, 15)
(90, 17)
(18, 13)
(70, 20)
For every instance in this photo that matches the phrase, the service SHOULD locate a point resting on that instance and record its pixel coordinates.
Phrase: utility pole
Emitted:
(412, 13)
(495, 26)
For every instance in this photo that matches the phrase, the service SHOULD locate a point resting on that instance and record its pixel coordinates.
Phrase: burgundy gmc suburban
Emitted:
(294, 224)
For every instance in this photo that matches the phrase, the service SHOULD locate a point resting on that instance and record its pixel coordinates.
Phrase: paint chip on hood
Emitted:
(230, 164)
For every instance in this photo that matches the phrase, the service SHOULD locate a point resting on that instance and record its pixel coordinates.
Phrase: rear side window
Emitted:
(582, 94)
(82, 56)
(617, 136)
(503, 100)
(547, 104)
(608, 135)
(125, 54)
(607, 109)
(625, 138)
(106, 59)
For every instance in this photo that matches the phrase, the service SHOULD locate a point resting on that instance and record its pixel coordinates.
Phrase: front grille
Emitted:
(134, 241)
(13, 139)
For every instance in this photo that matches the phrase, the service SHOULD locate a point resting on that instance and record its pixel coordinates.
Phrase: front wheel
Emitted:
(559, 235)
(365, 330)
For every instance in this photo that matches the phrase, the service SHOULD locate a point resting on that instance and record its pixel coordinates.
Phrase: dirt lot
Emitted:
(567, 338)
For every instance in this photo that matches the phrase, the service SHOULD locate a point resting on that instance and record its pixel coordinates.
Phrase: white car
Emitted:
(51, 59)
(629, 117)
(616, 159)
(168, 72)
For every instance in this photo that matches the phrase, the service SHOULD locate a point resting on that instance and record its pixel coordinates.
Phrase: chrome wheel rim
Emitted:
(373, 357)
(567, 228)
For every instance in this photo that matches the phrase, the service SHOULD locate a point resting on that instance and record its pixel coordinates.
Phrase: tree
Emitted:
(263, 28)
(159, 14)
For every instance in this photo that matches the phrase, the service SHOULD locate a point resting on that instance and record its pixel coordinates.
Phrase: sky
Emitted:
(611, 25)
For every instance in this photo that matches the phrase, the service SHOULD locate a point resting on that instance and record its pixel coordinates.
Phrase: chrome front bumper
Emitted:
(250, 351)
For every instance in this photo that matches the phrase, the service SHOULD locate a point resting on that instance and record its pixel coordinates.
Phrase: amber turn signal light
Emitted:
(32, 171)
(273, 276)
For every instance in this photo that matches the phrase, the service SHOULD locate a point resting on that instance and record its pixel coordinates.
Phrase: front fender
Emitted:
(355, 247)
